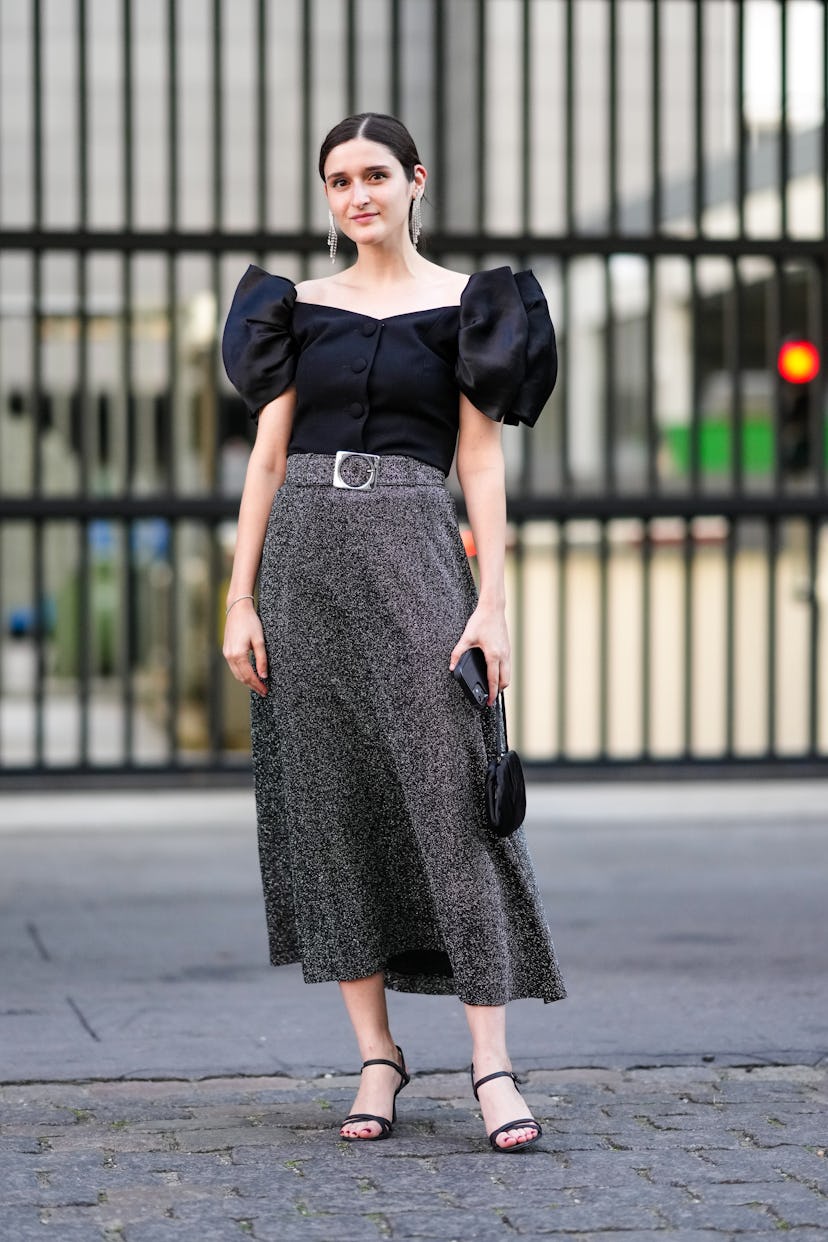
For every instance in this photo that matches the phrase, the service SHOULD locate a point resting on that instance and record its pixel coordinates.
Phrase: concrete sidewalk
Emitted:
(163, 1082)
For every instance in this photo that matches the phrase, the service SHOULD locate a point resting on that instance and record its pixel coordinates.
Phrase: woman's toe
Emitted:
(366, 1129)
(517, 1137)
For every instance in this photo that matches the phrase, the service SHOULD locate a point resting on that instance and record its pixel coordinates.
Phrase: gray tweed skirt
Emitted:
(369, 761)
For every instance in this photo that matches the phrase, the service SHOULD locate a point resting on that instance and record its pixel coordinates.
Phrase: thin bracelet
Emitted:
(237, 601)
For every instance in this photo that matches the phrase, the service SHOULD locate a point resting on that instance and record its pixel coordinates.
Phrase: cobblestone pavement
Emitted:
(696, 1154)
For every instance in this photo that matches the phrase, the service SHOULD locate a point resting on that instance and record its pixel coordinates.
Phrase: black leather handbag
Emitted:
(505, 785)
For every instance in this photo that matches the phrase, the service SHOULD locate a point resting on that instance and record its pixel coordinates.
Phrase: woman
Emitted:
(377, 866)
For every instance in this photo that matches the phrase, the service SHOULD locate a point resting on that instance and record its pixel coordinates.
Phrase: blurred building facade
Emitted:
(662, 168)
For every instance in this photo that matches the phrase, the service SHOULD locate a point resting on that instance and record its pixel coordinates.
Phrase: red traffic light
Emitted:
(798, 362)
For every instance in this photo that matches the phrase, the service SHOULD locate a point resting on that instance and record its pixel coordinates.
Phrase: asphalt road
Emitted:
(690, 922)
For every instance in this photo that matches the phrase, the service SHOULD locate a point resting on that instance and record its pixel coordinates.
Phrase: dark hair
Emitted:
(376, 127)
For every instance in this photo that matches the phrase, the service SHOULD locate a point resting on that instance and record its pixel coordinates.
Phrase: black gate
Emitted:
(662, 166)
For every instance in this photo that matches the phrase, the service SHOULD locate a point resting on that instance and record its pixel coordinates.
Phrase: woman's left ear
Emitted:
(420, 178)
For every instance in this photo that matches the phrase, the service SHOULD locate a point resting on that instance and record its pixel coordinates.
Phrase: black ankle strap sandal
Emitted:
(384, 1124)
(510, 1125)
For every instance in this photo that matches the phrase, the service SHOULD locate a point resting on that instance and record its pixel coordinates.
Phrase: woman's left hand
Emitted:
(486, 628)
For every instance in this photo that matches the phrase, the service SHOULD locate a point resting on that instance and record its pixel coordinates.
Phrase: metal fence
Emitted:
(668, 556)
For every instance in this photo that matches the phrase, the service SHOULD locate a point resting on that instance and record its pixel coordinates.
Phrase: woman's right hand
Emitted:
(243, 633)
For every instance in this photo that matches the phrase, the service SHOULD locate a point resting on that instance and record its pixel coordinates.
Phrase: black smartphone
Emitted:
(470, 671)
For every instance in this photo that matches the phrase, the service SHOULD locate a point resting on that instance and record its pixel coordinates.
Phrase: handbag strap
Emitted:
(500, 720)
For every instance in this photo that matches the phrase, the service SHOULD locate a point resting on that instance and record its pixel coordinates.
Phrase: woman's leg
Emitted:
(365, 1002)
(500, 1100)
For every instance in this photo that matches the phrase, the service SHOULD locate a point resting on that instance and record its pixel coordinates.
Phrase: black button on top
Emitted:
(356, 408)
(369, 328)
(358, 364)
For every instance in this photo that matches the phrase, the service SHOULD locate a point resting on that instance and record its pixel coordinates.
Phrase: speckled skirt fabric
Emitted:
(370, 762)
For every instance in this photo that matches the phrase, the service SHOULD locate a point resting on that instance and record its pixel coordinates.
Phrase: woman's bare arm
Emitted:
(481, 473)
(265, 474)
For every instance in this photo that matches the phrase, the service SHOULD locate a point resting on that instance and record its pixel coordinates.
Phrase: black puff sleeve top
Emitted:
(391, 385)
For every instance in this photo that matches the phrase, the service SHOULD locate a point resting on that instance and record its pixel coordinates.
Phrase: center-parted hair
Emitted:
(376, 127)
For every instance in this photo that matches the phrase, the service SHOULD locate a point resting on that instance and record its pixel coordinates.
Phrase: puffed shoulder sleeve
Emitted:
(258, 349)
(507, 362)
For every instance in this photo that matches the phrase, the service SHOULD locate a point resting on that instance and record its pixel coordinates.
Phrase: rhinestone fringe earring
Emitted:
(416, 225)
(333, 239)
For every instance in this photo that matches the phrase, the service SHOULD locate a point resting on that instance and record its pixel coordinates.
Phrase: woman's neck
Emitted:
(379, 265)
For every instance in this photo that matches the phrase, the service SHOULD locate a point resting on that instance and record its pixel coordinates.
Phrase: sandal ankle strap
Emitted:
(399, 1067)
(488, 1078)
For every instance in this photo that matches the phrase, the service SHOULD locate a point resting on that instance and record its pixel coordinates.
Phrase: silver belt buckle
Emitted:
(370, 482)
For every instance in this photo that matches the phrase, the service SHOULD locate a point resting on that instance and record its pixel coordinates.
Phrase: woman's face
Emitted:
(368, 191)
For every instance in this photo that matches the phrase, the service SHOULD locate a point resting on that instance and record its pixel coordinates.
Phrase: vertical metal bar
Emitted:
(83, 621)
(824, 123)
(350, 57)
(305, 121)
(609, 428)
(480, 108)
(655, 115)
(688, 562)
(612, 118)
(215, 665)
(127, 370)
(526, 130)
(562, 654)
(775, 327)
(39, 634)
(175, 612)
(214, 448)
(173, 404)
(127, 170)
(650, 392)
(84, 406)
(646, 640)
(736, 327)
(773, 567)
(128, 189)
(214, 672)
(171, 296)
(172, 116)
(813, 636)
(214, 662)
(730, 637)
(394, 58)
(123, 528)
(82, 342)
(784, 146)
(174, 663)
(168, 425)
(819, 385)
(695, 412)
(37, 221)
(218, 116)
(698, 133)
(82, 653)
(569, 118)
(603, 643)
(82, 149)
(262, 137)
(128, 633)
(739, 78)
(2, 662)
(439, 88)
(38, 585)
(564, 388)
